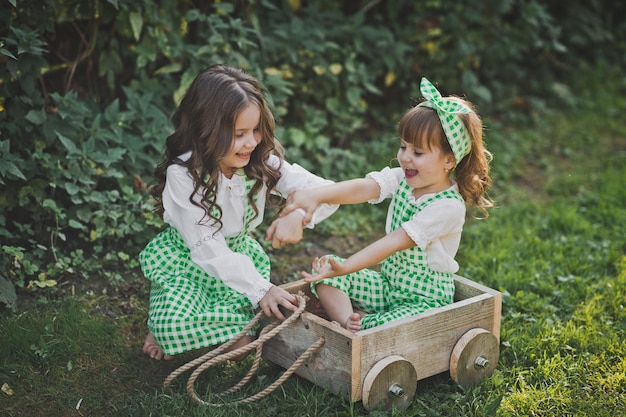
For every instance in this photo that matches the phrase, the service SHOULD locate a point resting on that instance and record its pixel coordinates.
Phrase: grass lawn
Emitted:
(555, 247)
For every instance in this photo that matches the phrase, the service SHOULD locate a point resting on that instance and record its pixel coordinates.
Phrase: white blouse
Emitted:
(436, 229)
(208, 246)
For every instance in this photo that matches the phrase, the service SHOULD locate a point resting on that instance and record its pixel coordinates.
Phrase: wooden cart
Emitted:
(383, 364)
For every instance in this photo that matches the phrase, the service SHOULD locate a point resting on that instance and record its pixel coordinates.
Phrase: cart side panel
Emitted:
(296, 286)
(465, 288)
(330, 367)
(427, 340)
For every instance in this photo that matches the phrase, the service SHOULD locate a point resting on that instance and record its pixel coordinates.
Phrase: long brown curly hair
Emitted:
(204, 124)
(421, 126)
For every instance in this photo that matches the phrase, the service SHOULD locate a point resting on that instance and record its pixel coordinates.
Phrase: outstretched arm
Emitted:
(365, 258)
(352, 191)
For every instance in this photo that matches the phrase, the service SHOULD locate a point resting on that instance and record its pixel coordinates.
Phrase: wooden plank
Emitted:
(353, 388)
(358, 373)
(465, 288)
(427, 340)
(330, 367)
(295, 286)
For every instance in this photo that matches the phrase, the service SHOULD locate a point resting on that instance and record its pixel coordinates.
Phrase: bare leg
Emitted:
(339, 307)
(151, 348)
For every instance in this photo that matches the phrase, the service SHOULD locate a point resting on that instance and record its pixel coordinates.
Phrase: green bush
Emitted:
(87, 88)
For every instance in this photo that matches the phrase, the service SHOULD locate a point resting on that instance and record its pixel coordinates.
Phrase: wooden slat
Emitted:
(465, 288)
(427, 340)
(330, 367)
(358, 373)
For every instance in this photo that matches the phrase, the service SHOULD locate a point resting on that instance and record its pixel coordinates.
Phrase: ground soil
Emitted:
(129, 296)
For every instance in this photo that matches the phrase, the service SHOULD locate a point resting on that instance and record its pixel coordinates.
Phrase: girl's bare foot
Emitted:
(151, 348)
(353, 323)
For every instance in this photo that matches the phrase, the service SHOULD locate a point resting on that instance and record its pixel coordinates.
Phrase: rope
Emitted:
(221, 354)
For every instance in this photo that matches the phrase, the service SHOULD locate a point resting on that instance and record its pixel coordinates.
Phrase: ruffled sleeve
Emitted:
(388, 180)
(208, 245)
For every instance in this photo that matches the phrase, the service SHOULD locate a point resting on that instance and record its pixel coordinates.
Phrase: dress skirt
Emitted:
(190, 309)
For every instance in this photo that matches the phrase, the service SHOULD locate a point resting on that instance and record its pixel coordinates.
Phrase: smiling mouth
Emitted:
(410, 173)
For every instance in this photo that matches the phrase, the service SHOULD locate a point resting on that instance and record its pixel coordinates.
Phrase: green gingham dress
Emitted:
(190, 309)
(405, 285)
(207, 282)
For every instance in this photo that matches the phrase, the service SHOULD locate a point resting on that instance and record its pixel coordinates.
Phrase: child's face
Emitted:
(426, 170)
(246, 137)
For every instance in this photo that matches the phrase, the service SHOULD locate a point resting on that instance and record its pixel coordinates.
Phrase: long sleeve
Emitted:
(208, 245)
(207, 241)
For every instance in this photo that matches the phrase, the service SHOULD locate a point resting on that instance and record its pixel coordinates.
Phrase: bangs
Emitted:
(422, 128)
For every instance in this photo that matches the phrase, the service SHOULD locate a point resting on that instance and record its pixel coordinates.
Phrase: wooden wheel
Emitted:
(391, 381)
(474, 357)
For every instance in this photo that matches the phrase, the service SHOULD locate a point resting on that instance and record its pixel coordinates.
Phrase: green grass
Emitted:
(555, 247)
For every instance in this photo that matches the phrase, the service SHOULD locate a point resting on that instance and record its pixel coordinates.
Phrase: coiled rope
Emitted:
(219, 355)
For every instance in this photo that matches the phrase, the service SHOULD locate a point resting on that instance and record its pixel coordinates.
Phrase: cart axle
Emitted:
(396, 391)
(481, 362)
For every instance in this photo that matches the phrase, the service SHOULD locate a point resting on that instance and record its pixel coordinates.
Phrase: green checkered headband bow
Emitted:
(448, 112)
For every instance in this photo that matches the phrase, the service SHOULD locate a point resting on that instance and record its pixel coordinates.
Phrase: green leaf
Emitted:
(492, 407)
(136, 23)
(10, 168)
(72, 189)
(483, 93)
(98, 197)
(372, 88)
(49, 203)
(353, 95)
(68, 144)
(297, 137)
(8, 295)
(76, 224)
(224, 8)
(8, 53)
(185, 82)
(168, 69)
(84, 214)
(36, 117)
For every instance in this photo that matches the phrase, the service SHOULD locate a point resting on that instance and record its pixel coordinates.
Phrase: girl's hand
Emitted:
(285, 230)
(275, 298)
(301, 199)
(325, 267)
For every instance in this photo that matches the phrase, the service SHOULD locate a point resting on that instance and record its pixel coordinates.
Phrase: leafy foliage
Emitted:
(554, 246)
(86, 90)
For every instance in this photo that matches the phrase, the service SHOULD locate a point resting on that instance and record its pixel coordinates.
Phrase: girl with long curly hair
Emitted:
(222, 164)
